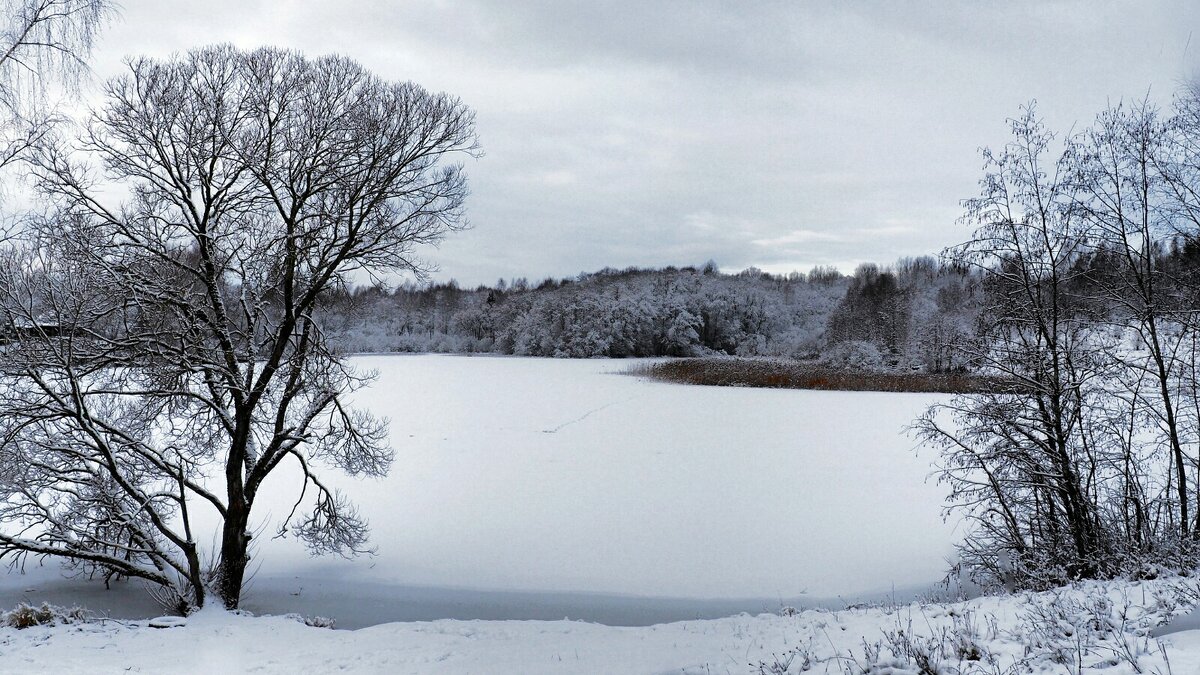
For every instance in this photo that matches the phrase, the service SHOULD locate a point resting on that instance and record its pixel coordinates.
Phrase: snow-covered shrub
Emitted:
(1093, 626)
(853, 355)
(1077, 630)
(313, 621)
(752, 345)
(795, 343)
(27, 616)
(319, 622)
(956, 648)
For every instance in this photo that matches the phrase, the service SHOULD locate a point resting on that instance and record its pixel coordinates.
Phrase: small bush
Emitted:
(854, 355)
(319, 622)
(28, 616)
(1076, 629)
(781, 664)
(313, 621)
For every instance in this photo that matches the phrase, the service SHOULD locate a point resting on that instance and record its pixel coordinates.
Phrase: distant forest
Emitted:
(918, 314)
(910, 315)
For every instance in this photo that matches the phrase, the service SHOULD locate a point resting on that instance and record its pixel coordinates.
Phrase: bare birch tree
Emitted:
(40, 41)
(1125, 196)
(165, 360)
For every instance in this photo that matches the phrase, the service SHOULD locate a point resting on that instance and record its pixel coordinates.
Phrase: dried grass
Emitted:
(780, 374)
(28, 616)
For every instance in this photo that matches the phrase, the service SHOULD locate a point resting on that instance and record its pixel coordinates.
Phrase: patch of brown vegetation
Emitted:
(779, 374)
(28, 616)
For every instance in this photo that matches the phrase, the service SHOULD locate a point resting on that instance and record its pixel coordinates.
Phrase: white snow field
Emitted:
(538, 475)
(543, 488)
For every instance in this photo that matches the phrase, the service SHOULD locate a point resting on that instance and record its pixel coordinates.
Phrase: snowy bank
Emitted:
(1091, 625)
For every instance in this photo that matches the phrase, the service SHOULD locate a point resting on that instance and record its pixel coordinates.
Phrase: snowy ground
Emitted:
(1105, 627)
(539, 488)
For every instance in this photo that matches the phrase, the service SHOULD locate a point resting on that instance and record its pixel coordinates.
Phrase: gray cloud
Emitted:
(775, 134)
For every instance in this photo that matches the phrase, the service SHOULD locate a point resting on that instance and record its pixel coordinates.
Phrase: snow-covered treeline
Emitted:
(909, 315)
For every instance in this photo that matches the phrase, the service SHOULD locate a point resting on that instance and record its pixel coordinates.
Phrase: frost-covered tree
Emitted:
(1020, 462)
(1085, 464)
(42, 42)
(1127, 196)
(164, 360)
(875, 309)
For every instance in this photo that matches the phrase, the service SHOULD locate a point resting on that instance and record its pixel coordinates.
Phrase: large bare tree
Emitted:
(164, 360)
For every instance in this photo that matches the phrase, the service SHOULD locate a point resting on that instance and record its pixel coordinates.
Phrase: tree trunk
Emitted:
(235, 542)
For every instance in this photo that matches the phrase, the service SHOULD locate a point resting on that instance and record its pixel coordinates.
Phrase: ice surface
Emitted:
(538, 479)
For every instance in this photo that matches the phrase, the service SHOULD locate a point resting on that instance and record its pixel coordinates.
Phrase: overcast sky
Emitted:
(776, 134)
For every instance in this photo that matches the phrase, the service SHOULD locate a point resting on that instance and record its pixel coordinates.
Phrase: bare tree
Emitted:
(42, 38)
(164, 357)
(1127, 196)
(1020, 462)
(1087, 466)
(40, 41)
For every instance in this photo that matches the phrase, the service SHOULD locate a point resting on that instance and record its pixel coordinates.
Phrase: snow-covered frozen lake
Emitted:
(537, 488)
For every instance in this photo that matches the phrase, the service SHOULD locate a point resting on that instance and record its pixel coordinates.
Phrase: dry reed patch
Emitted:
(780, 374)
